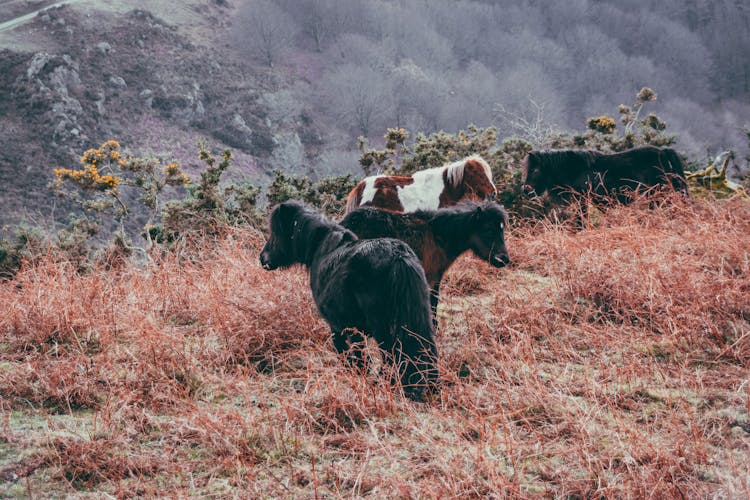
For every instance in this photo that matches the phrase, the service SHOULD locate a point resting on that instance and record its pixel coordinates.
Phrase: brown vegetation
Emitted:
(611, 361)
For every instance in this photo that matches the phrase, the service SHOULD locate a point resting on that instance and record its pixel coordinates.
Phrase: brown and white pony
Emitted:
(466, 179)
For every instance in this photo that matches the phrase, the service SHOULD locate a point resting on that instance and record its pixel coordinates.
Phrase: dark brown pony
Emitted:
(372, 287)
(467, 179)
(438, 237)
(566, 174)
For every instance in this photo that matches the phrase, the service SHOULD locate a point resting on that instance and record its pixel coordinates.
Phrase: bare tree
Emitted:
(321, 20)
(417, 96)
(530, 124)
(265, 30)
(358, 96)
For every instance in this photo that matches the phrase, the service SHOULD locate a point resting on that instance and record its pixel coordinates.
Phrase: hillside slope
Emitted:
(158, 78)
(607, 362)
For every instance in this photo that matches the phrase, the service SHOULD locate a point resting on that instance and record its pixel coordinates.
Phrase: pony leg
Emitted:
(434, 299)
(417, 363)
(415, 369)
(582, 204)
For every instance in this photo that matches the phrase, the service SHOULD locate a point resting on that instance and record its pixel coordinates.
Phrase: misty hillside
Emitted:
(291, 84)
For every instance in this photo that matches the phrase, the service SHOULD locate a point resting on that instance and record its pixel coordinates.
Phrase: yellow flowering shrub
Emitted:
(603, 124)
(88, 178)
(105, 170)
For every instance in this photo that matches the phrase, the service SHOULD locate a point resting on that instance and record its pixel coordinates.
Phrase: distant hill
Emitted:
(291, 84)
(75, 76)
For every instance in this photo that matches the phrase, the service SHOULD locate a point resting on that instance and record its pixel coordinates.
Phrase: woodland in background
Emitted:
(291, 86)
(145, 353)
(440, 64)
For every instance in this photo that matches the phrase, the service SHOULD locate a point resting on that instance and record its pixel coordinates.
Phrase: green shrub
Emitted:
(209, 206)
(328, 195)
(26, 243)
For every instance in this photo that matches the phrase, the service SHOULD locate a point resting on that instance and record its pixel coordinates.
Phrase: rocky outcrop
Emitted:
(49, 87)
(184, 105)
(288, 152)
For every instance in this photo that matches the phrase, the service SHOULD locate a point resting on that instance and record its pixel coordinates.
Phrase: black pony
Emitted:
(438, 237)
(376, 287)
(566, 174)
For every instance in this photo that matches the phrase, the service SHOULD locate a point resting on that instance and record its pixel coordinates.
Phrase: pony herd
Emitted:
(378, 272)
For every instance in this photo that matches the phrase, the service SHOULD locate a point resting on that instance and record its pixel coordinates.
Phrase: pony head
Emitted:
(488, 239)
(533, 175)
(475, 176)
(285, 224)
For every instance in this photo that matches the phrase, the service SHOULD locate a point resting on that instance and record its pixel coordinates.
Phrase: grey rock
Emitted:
(72, 63)
(103, 47)
(117, 81)
(288, 152)
(239, 124)
(100, 103)
(148, 97)
(38, 62)
(62, 78)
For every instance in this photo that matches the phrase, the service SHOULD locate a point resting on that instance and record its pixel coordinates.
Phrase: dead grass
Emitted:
(611, 361)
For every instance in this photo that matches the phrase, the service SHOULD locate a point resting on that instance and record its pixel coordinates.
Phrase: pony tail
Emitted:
(676, 174)
(412, 328)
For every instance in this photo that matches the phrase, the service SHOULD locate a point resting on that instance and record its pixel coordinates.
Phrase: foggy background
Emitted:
(430, 65)
(290, 85)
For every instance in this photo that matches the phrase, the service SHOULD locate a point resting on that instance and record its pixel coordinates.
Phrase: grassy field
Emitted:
(611, 361)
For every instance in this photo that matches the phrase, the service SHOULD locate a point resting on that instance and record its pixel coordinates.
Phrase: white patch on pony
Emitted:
(368, 193)
(424, 193)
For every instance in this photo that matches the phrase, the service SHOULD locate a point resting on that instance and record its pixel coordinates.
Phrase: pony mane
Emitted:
(468, 208)
(570, 160)
(306, 230)
(455, 172)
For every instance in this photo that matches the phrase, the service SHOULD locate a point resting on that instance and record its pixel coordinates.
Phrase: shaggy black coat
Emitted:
(566, 173)
(438, 237)
(374, 286)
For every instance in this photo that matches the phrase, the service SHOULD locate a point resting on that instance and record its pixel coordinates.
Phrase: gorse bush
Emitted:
(26, 243)
(109, 184)
(328, 195)
(108, 180)
(401, 157)
(602, 134)
(603, 124)
(209, 206)
(427, 151)
(132, 202)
